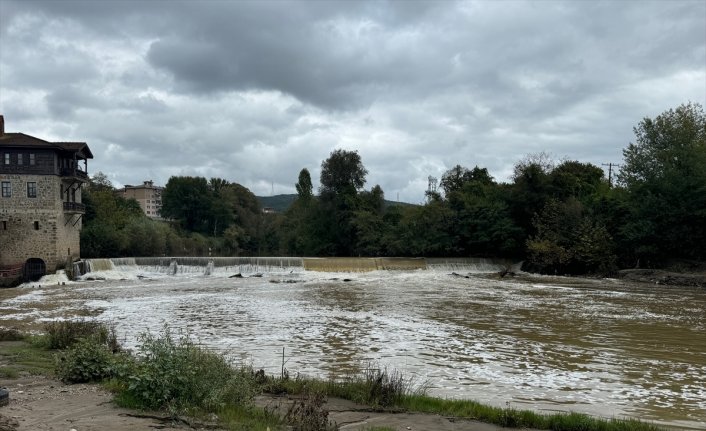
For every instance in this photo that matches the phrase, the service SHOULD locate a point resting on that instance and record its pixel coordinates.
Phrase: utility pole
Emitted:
(610, 172)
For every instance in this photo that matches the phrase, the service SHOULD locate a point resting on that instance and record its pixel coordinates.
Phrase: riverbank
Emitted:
(664, 277)
(169, 388)
(40, 403)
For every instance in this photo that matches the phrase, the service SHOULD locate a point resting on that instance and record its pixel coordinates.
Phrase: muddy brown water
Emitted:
(602, 347)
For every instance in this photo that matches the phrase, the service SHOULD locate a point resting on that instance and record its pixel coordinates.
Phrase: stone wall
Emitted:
(37, 227)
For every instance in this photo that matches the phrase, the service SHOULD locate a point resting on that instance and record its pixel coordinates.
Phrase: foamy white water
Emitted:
(545, 343)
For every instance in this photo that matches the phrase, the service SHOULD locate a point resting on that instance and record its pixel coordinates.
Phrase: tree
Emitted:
(569, 241)
(304, 186)
(575, 179)
(342, 176)
(453, 179)
(99, 181)
(342, 173)
(664, 173)
(188, 200)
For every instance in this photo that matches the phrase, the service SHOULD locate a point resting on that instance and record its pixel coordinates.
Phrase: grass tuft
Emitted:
(63, 334)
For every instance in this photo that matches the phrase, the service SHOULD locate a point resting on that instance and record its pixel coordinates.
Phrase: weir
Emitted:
(197, 265)
(472, 264)
(262, 265)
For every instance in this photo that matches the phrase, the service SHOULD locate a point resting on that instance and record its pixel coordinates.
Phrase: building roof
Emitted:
(20, 140)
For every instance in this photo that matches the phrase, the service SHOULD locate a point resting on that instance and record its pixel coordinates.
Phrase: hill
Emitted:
(281, 203)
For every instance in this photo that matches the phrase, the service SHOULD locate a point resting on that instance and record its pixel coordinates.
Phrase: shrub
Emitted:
(87, 360)
(308, 414)
(179, 374)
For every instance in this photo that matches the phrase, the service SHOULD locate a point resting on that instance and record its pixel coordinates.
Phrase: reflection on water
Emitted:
(595, 346)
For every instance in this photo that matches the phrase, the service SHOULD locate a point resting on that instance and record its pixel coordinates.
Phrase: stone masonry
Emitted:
(40, 204)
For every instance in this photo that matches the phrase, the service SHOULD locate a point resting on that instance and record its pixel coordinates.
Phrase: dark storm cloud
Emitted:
(255, 91)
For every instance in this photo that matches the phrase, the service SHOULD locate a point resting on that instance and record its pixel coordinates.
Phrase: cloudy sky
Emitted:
(255, 91)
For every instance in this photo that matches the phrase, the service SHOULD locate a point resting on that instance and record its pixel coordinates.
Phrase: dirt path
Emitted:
(42, 404)
(39, 403)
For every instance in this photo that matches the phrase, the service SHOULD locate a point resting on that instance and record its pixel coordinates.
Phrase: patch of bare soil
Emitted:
(40, 403)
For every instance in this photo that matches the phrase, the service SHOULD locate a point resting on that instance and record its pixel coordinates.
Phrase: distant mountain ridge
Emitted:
(281, 203)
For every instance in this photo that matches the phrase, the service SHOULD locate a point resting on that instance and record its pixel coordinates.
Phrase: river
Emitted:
(602, 347)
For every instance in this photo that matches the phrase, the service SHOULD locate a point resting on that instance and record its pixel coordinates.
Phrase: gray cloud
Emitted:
(255, 91)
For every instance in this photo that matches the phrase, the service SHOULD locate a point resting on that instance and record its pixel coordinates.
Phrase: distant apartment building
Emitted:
(147, 195)
(40, 204)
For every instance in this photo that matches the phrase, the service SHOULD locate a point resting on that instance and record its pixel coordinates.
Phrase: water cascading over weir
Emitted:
(260, 265)
(196, 265)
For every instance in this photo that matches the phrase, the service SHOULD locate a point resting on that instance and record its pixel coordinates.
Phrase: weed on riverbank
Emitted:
(510, 417)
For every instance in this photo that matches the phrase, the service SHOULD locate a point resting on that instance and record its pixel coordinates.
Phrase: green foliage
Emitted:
(305, 189)
(376, 387)
(342, 174)
(664, 174)
(62, 334)
(187, 199)
(87, 360)
(511, 417)
(178, 375)
(562, 218)
(569, 242)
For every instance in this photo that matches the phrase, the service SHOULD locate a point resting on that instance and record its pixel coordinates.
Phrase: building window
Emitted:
(36, 225)
(31, 159)
(20, 158)
(31, 190)
(7, 158)
(6, 189)
(4, 225)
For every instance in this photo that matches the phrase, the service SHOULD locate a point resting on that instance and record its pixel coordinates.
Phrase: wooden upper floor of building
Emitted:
(27, 155)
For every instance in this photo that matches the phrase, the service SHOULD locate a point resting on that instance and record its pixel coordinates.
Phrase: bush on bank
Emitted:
(179, 376)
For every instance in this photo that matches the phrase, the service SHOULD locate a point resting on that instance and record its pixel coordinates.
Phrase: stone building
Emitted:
(40, 204)
(147, 195)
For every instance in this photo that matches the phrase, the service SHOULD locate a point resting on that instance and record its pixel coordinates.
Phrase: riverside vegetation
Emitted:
(559, 217)
(175, 375)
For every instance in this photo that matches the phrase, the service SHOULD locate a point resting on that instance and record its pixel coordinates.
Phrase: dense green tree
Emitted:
(582, 181)
(246, 214)
(342, 176)
(342, 173)
(664, 174)
(529, 192)
(425, 231)
(300, 229)
(453, 179)
(188, 201)
(305, 189)
(569, 241)
(485, 225)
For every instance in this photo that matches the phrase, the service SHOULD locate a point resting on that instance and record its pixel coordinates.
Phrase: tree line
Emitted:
(559, 216)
